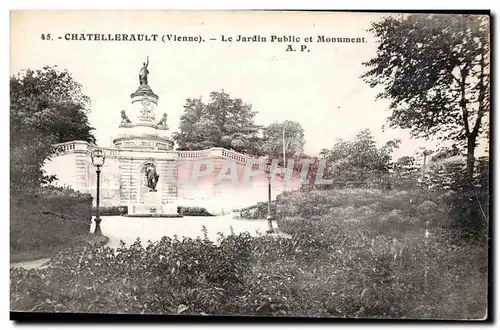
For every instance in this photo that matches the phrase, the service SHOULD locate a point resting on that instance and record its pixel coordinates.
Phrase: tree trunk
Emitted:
(471, 145)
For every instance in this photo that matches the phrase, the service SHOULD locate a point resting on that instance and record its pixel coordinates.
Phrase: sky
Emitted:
(321, 89)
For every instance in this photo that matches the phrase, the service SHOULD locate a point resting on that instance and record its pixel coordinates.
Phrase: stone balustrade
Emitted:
(108, 152)
(82, 146)
(214, 153)
(70, 147)
(240, 158)
(64, 148)
(195, 154)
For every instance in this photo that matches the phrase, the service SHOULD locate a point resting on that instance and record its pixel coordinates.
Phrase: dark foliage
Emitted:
(46, 106)
(435, 70)
(358, 163)
(111, 210)
(353, 253)
(258, 211)
(223, 122)
(48, 218)
(470, 202)
(193, 211)
(272, 140)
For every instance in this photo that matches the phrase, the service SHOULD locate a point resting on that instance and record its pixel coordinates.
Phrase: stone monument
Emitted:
(145, 174)
(151, 173)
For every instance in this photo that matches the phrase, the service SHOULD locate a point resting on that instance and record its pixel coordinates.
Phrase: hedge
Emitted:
(193, 211)
(122, 210)
(47, 218)
(258, 211)
(110, 210)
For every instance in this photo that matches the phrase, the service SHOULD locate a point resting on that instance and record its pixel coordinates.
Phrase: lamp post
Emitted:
(98, 158)
(269, 216)
(284, 159)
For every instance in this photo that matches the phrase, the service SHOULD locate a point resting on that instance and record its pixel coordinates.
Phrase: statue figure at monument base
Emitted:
(152, 178)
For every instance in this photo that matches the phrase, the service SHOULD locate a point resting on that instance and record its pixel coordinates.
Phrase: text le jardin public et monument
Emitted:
(291, 42)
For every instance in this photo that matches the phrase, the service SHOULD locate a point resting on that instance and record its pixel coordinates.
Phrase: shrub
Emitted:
(379, 240)
(470, 203)
(193, 211)
(110, 210)
(47, 218)
(382, 265)
(370, 211)
(258, 211)
(243, 275)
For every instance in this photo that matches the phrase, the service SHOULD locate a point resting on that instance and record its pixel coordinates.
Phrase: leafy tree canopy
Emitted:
(359, 160)
(222, 122)
(435, 69)
(47, 106)
(272, 141)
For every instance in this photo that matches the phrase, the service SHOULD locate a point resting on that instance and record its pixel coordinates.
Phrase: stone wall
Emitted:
(121, 177)
(70, 165)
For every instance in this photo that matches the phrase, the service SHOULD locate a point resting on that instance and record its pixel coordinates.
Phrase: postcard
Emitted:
(295, 164)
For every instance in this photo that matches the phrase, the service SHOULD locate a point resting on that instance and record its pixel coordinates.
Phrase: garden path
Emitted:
(126, 229)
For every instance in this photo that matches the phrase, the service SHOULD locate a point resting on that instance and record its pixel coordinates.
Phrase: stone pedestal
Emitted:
(152, 206)
(151, 202)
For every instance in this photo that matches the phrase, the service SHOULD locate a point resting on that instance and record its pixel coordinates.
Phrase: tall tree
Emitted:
(196, 130)
(222, 122)
(47, 106)
(360, 160)
(273, 141)
(436, 71)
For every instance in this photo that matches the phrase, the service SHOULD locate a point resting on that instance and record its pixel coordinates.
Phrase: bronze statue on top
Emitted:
(143, 74)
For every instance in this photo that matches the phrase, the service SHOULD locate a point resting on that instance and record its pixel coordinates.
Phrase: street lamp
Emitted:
(98, 158)
(284, 159)
(269, 216)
